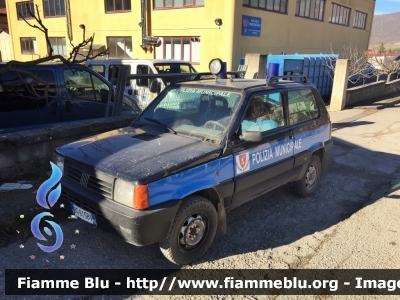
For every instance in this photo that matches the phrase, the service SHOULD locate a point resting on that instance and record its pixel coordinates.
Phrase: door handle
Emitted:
(53, 108)
(68, 106)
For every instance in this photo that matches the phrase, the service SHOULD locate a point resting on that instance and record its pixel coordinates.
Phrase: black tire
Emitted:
(303, 188)
(195, 214)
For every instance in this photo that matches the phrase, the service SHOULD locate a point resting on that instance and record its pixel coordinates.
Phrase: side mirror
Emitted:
(155, 87)
(251, 136)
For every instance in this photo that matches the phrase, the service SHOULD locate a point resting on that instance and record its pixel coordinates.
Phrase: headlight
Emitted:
(124, 192)
(58, 161)
(131, 194)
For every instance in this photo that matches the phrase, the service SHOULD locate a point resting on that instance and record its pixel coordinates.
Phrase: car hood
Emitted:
(134, 154)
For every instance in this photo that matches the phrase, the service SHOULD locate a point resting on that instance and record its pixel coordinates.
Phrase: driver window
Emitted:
(144, 69)
(264, 113)
(115, 80)
(82, 84)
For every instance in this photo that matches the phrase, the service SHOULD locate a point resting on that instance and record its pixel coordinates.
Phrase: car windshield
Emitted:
(174, 68)
(192, 110)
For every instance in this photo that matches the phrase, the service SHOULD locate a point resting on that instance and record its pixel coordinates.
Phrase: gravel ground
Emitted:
(277, 230)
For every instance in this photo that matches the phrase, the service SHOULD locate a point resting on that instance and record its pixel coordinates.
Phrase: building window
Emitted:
(54, 8)
(119, 47)
(28, 45)
(311, 9)
(340, 15)
(2, 4)
(359, 20)
(177, 3)
(181, 48)
(59, 45)
(271, 5)
(118, 5)
(23, 10)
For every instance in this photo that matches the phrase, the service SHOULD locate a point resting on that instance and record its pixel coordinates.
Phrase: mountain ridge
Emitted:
(386, 30)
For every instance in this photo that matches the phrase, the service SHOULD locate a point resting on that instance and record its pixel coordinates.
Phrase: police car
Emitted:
(199, 149)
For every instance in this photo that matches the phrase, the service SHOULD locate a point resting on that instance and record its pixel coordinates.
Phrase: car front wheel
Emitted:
(192, 232)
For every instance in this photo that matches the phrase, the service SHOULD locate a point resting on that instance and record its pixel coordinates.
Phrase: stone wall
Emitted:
(372, 91)
(29, 152)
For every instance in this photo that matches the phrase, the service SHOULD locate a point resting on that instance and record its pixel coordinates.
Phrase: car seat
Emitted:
(217, 110)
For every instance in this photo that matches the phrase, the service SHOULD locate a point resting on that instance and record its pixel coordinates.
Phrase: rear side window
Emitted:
(26, 92)
(302, 106)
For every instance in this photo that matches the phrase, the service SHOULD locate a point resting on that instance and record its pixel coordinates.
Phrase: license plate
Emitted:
(83, 214)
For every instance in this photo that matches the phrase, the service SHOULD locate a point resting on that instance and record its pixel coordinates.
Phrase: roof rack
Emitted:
(275, 79)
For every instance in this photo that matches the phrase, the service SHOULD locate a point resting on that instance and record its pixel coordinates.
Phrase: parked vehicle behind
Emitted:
(75, 93)
(139, 88)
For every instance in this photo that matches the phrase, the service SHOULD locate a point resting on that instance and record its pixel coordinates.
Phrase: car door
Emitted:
(86, 94)
(262, 166)
(304, 119)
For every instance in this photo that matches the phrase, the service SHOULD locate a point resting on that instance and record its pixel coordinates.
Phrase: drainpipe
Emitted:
(147, 40)
(144, 46)
(69, 20)
(370, 29)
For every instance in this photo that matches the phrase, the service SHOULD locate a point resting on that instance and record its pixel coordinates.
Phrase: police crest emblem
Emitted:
(242, 163)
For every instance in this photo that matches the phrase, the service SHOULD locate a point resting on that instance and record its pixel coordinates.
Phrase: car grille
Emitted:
(82, 204)
(103, 185)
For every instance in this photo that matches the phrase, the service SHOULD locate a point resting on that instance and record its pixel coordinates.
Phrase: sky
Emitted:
(387, 6)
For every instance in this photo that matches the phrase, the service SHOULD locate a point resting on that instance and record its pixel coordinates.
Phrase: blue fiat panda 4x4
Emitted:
(199, 149)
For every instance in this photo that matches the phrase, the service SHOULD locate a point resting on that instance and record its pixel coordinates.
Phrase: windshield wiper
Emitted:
(162, 124)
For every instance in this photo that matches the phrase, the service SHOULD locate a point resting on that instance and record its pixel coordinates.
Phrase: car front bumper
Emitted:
(137, 227)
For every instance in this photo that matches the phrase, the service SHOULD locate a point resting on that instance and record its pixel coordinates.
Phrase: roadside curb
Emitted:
(378, 104)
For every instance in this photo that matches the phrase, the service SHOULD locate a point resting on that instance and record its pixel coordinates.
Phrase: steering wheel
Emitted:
(215, 124)
(182, 122)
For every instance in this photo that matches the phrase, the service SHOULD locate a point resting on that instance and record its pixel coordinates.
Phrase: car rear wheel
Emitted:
(192, 232)
(308, 184)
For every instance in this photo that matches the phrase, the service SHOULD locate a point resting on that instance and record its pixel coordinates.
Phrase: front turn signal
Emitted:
(141, 197)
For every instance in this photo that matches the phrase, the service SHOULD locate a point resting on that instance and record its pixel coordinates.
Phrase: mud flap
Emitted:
(324, 163)
(221, 218)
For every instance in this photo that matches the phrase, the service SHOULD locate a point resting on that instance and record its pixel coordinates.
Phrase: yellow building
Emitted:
(195, 30)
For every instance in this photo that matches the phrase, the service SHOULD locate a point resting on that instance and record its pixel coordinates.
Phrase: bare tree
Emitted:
(387, 64)
(358, 62)
(75, 56)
